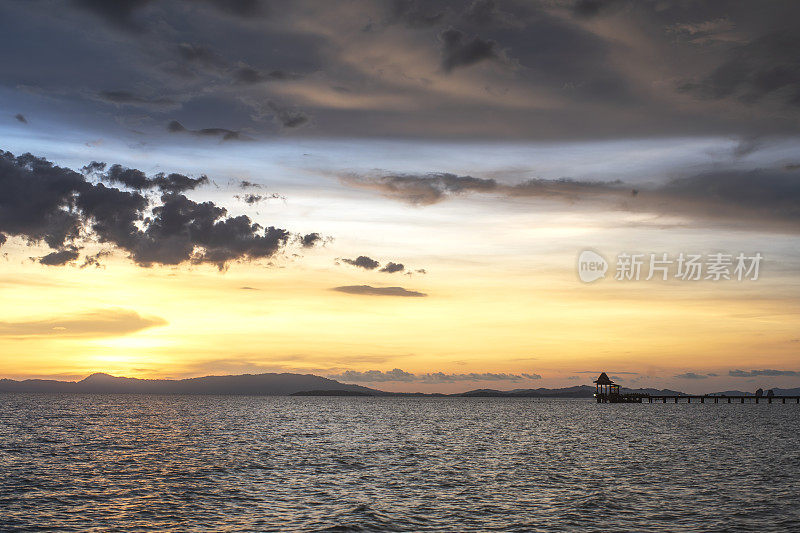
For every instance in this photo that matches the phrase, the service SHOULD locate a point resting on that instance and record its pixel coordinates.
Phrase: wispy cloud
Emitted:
(97, 323)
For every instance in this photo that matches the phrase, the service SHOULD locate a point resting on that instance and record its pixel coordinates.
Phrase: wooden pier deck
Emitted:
(606, 391)
(722, 399)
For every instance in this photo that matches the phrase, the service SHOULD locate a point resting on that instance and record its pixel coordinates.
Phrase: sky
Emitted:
(397, 193)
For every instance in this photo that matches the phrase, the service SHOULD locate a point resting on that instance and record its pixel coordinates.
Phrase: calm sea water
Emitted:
(188, 463)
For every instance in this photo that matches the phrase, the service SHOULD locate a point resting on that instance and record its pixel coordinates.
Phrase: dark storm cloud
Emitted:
(378, 376)
(137, 180)
(130, 177)
(182, 230)
(242, 8)
(203, 55)
(484, 13)
(119, 13)
(287, 118)
(593, 8)
(249, 75)
(60, 258)
(460, 51)
(414, 14)
(94, 259)
(45, 202)
(391, 267)
(21, 118)
(310, 239)
(175, 182)
(225, 134)
(585, 69)
(759, 373)
(36, 199)
(99, 323)
(768, 66)
(122, 13)
(211, 61)
(366, 290)
(774, 194)
(128, 98)
(251, 198)
(363, 261)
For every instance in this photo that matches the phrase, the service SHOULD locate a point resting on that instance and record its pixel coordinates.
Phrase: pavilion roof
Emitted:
(603, 380)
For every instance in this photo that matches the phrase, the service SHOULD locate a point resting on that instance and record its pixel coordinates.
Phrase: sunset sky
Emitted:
(427, 174)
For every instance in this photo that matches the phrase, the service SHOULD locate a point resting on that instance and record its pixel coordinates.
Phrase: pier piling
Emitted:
(688, 397)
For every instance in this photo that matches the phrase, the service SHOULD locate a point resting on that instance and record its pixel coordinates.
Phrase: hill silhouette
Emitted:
(282, 384)
(246, 384)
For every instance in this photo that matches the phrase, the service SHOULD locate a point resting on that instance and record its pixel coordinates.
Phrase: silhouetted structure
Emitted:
(605, 388)
(606, 391)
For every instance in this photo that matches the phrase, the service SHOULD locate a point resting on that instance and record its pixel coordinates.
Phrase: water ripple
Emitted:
(182, 463)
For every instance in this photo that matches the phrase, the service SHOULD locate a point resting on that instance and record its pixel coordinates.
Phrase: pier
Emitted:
(721, 399)
(606, 391)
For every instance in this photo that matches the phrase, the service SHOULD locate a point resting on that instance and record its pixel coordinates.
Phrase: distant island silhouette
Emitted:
(271, 384)
(333, 392)
(284, 384)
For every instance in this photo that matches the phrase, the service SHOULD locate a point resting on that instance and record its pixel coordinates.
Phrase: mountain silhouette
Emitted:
(246, 384)
(274, 384)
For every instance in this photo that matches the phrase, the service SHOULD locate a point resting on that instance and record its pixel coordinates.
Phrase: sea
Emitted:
(105, 463)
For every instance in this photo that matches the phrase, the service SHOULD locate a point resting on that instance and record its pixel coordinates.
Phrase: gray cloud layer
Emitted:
(457, 68)
(378, 376)
(761, 197)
